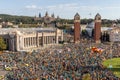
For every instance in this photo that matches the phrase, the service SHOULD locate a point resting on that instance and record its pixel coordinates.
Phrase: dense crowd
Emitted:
(64, 62)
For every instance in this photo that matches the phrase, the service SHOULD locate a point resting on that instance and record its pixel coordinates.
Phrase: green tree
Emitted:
(2, 44)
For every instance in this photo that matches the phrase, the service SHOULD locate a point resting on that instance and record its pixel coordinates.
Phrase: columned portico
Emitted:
(57, 36)
(42, 39)
(29, 38)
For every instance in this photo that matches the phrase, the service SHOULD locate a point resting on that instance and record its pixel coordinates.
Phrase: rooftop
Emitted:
(25, 30)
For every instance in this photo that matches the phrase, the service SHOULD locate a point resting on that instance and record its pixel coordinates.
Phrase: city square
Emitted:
(59, 40)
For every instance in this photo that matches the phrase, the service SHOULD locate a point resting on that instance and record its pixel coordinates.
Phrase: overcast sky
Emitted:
(109, 9)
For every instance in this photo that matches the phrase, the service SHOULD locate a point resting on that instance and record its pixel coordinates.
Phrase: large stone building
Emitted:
(47, 20)
(114, 34)
(18, 39)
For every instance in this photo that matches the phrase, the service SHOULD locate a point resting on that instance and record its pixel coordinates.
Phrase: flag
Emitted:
(98, 50)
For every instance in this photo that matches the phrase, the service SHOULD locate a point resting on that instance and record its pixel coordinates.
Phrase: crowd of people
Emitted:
(64, 62)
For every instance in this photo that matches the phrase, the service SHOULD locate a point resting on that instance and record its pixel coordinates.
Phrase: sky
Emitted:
(108, 9)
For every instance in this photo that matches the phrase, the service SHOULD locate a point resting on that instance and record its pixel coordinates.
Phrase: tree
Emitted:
(2, 44)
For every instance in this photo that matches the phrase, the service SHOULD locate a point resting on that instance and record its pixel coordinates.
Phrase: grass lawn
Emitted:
(86, 77)
(113, 65)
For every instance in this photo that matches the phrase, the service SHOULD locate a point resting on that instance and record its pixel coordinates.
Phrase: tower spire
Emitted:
(39, 15)
(53, 16)
(46, 14)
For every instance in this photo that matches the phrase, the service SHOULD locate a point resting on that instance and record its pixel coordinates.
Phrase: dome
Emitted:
(90, 25)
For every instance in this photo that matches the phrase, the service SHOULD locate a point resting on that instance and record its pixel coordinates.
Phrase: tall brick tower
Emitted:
(97, 28)
(76, 28)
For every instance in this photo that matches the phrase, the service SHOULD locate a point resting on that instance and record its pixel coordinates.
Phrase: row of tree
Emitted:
(3, 46)
(30, 20)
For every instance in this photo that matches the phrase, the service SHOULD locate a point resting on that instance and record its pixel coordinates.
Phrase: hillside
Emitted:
(16, 19)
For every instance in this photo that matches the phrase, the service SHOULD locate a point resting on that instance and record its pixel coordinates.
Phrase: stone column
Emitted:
(51, 40)
(37, 39)
(32, 41)
(46, 39)
(102, 36)
(35, 42)
(24, 42)
(42, 39)
(56, 39)
(12, 42)
(21, 45)
(61, 35)
(17, 43)
(29, 42)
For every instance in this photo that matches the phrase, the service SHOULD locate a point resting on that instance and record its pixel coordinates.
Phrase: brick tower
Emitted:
(97, 28)
(76, 28)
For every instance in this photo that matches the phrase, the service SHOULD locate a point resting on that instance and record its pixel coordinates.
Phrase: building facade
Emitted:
(18, 39)
(114, 34)
(47, 20)
(111, 34)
